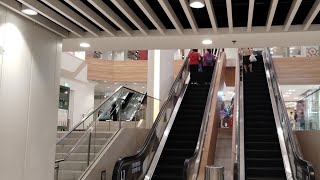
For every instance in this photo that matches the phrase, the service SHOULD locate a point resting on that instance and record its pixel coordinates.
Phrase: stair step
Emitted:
(73, 141)
(78, 149)
(73, 165)
(264, 162)
(265, 171)
(69, 174)
(262, 145)
(76, 156)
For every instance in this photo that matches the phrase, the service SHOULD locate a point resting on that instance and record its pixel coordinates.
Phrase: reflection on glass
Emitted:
(295, 51)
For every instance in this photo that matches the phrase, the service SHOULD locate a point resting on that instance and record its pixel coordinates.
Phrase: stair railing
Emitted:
(192, 165)
(89, 126)
(300, 168)
(136, 166)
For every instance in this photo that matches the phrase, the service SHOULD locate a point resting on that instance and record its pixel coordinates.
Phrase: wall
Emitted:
(29, 98)
(122, 71)
(298, 70)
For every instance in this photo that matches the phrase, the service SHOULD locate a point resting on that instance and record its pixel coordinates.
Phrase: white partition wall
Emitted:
(29, 98)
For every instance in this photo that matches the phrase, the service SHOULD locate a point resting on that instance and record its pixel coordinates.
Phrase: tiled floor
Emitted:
(223, 151)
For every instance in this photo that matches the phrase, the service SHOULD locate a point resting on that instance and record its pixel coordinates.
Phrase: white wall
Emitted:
(82, 100)
(29, 98)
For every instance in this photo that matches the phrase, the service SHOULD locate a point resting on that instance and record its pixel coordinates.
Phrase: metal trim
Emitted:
(165, 135)
(284, 152)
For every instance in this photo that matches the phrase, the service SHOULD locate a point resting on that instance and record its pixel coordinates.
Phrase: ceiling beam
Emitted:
(53, 16)
(250, 15)
(292, 13)
(212, 16)
(172, 16)
(311, 15)
(187, 10)
(127, 11)
(16, 7)
(111, 15)
(272, 11)
(144, 6)
(73, 16)
(90, 14)
(229, 12)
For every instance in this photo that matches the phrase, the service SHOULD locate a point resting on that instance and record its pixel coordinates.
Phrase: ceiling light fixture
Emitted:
(196, 3)
(28, 11)
(206, 42)
(85, 45)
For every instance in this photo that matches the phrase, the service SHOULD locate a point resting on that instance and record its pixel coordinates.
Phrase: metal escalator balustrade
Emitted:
(136, 166)
(300, 168)
(78, 149)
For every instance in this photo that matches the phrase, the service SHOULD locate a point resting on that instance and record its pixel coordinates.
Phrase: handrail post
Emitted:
(89, 149)
(56, 171)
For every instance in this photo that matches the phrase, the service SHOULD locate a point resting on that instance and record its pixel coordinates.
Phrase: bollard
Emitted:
(214, 173)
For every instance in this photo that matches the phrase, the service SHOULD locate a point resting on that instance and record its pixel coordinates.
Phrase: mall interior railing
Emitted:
(238, 119)
(104, 112)
(300, 168)
(192, 165)
(135, 166)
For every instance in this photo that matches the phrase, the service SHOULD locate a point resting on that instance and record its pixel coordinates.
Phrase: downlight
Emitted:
(196, 3)
(85, 45)
(206, 42)
(26, 10)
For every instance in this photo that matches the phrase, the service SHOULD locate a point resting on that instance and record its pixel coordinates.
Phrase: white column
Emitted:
(29, 88)
(160, 76)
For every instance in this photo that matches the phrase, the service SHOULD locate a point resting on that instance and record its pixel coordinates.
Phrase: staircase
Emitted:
(183, 136)
(263, 158)
(76, 163)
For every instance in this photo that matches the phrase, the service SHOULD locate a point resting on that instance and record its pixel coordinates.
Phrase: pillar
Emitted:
(29, 86)
(160, 77)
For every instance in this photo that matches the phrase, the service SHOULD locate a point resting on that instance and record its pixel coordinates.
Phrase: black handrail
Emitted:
(303, 164)
(130, 159)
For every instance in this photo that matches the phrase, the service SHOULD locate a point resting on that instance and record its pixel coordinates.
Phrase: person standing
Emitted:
(246, 52)
(208, 63)
(194, 59)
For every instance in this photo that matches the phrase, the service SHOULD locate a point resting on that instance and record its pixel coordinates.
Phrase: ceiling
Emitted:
(136, 20)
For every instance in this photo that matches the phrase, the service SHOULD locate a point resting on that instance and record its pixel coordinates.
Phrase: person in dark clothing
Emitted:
(195, 58)
(113, 112)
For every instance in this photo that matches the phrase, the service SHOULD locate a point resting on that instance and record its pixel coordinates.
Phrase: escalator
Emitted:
(265, 147)
(184, 133)
(263, 158)
(174, 144)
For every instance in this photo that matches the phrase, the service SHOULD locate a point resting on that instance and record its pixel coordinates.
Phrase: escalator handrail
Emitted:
(162, 111)
(205, 119)
(238, 118)
(280, 102)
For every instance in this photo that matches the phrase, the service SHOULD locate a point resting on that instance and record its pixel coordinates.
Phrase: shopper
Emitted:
(194, 59)
(246, 52)
(113, 112)
(208, 63)
(292, 121)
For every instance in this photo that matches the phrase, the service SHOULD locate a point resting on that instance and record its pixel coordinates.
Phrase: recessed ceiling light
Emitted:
(142, 87)
(85, 45)
(105, 81)
(196, 3)
(28, 11)
(108, 87)
(134, 83)
(206, 42)
(115, 83)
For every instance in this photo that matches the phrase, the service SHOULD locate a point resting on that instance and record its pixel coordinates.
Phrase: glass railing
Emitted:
(85, 142)
(191, 165)
(300, 168)
(136, 166)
